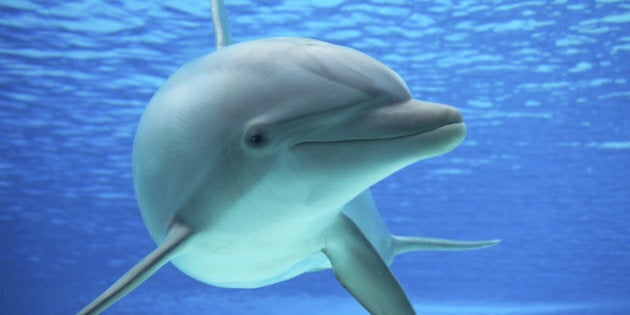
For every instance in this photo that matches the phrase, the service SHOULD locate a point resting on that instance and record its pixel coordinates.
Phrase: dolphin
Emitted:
(252, 165)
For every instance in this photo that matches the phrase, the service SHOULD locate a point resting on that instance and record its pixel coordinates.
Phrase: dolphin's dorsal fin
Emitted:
(220, 23)
(361, 270)
(403, 244)
(176, 237)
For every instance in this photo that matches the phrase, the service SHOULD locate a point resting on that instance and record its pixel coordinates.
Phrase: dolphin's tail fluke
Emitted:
(220, 23)
(171, 246)
(402, 244)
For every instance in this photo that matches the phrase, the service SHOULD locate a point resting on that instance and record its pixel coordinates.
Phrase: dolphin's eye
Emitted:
(256, 139)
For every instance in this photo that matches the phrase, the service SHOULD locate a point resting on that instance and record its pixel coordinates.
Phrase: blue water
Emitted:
(543, 86)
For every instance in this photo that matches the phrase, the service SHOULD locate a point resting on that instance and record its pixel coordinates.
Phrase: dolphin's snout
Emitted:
(455, 115)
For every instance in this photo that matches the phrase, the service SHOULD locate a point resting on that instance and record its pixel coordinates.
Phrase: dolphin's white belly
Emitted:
(260, 252)
(256, 253)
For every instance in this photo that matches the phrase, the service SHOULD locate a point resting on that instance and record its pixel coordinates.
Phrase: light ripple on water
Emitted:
(82, 72)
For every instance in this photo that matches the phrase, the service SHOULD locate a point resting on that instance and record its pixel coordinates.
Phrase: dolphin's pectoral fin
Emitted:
(361, 270)
(177, 235)
(402, 244)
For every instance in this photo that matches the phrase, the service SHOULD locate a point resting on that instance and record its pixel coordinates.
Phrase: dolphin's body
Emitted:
(252, 166)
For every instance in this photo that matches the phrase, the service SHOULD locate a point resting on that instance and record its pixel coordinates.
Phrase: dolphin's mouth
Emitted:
(454, 126)
(400, 121)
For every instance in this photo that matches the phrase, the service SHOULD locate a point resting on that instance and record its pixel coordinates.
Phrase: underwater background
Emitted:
(543, 87)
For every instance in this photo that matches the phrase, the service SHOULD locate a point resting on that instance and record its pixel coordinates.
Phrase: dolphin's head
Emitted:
(336, 121)
(308, 123)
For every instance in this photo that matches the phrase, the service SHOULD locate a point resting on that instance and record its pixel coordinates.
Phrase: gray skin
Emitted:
(332, 121)
(252, 166)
